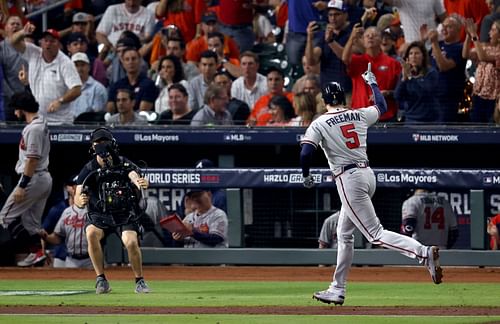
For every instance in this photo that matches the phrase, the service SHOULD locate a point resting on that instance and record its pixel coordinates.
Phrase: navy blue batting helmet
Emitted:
(333, 94)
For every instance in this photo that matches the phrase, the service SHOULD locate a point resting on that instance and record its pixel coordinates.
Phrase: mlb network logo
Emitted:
(491, 180)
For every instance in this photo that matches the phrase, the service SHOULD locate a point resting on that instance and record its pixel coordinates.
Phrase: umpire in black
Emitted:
(111, 187)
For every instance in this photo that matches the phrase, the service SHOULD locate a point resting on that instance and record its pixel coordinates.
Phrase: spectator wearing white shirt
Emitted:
(94, 96)
(52, 77)
(130, 15)
(414, 14)
(251, 85)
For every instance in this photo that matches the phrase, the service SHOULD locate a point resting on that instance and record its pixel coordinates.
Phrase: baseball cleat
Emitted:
(102, 286)
(141, 287)
(433, 264)
(328, 297)
(33, 259)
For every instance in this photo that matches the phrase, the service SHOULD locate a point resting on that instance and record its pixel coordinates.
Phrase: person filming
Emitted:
(110, 185)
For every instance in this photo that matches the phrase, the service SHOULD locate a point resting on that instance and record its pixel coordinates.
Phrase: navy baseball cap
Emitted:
(204, 164)
(126, 42)
(76, 37)
(209, 17)
(71, 181)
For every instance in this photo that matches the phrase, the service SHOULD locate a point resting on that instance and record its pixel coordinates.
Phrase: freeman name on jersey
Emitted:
(345, 117)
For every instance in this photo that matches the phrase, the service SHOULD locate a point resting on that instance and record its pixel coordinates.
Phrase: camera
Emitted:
(320, 25)
(117, 194)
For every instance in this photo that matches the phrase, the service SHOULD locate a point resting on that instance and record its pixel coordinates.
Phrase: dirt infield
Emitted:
(361, 274)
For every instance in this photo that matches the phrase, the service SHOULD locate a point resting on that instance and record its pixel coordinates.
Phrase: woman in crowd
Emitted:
(281, 110)
(416, 90)
(305, 108)
(170, 72)
(486, 85)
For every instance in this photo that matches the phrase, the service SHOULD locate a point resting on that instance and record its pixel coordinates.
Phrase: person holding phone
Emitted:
(326, 46)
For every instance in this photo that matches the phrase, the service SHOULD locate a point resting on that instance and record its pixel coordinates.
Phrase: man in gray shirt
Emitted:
(214, 111)
(198, 85)
(126, 115)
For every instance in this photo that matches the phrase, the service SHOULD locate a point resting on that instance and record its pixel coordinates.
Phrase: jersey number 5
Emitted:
(350, 134)
(434, 217)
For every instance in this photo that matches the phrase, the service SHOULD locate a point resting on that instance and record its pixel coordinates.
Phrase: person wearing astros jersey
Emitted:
(341, 133)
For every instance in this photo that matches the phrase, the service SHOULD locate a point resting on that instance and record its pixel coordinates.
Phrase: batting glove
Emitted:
(308, 181)
(368, 76)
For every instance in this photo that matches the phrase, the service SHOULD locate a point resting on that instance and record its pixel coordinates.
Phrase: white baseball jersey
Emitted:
(434, 216)
(35, 143)
(116, 19)
(71, 226)
(328, 234)
(341, 133)
(214, 221)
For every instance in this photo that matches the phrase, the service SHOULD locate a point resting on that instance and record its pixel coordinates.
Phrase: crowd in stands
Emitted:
(158, 53)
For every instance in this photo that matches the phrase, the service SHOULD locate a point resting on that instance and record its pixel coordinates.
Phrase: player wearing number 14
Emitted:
(341, 133)
(429, 219)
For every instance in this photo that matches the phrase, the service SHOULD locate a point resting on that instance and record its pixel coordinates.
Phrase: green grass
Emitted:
(241, 319)
(226, 293)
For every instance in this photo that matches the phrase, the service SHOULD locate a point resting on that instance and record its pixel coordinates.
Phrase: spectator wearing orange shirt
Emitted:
(231, 65)
(261, 115)
(159, 44)
(474, 9)
(185, 14)
(200, 44)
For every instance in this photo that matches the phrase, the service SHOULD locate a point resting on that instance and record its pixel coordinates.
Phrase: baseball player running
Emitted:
(341, 133)
(22, 213)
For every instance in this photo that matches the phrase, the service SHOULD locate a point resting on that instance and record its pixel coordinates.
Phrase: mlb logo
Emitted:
(416, 137)
(487, 180)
